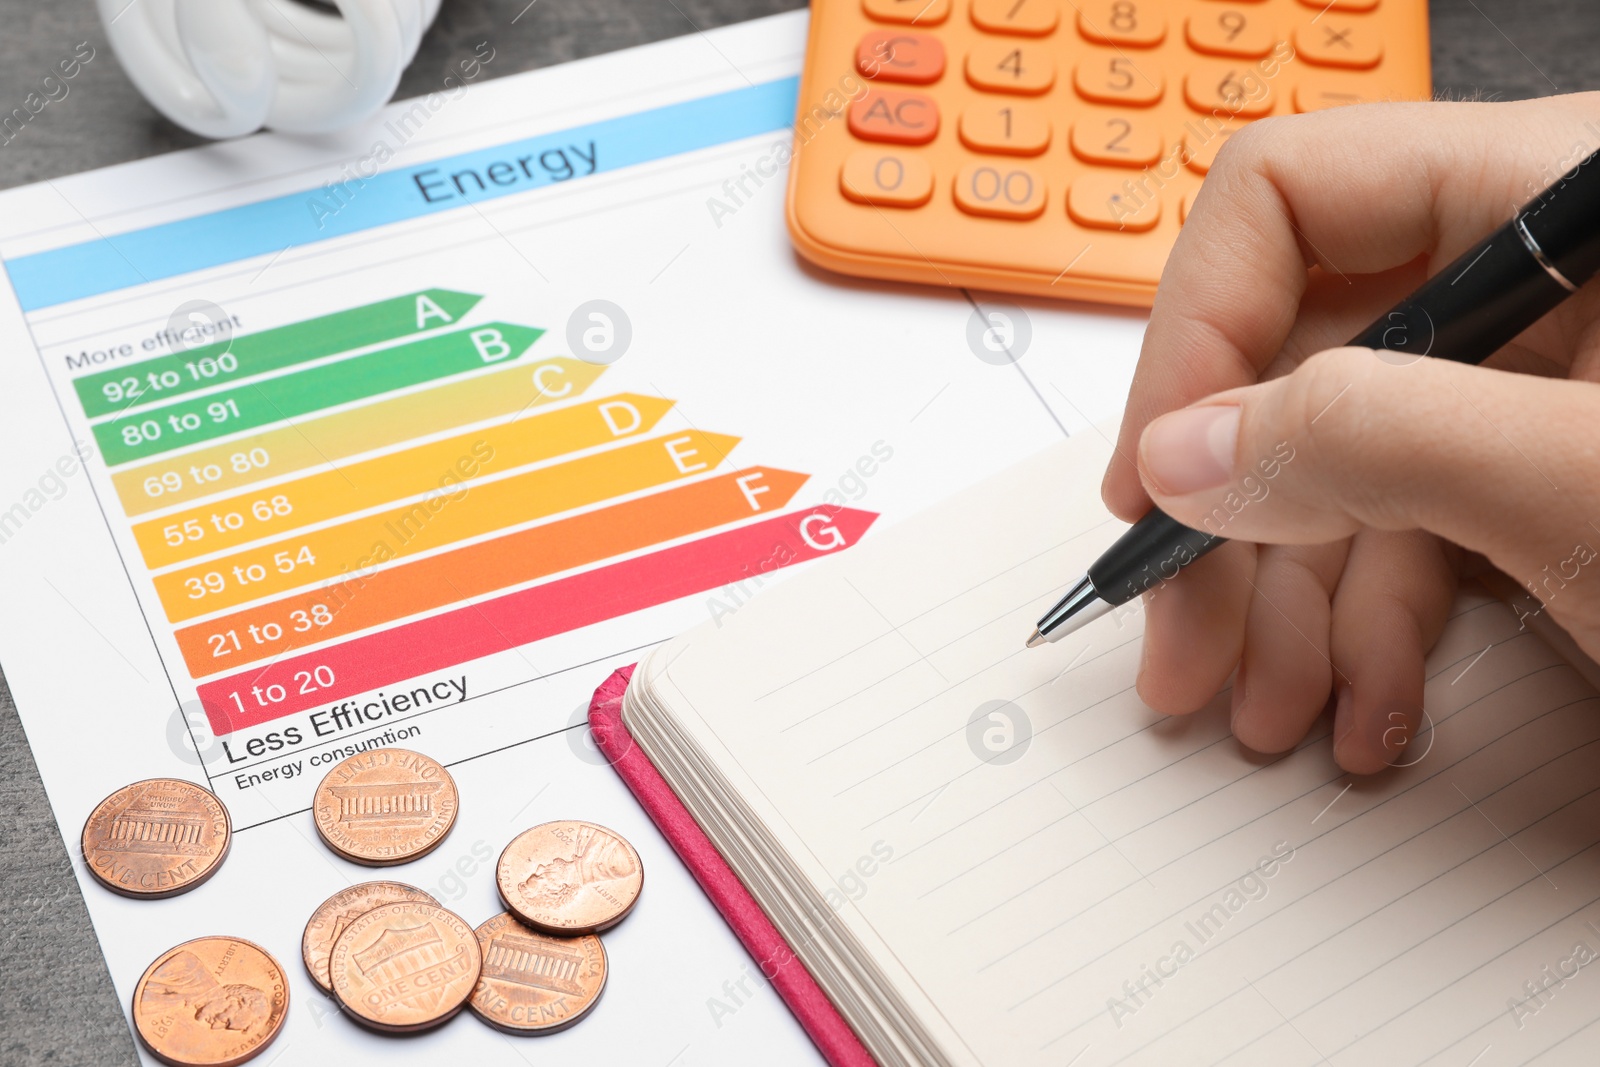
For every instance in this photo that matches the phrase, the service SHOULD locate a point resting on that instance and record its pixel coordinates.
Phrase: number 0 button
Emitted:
(890, 179)
(1000, 190)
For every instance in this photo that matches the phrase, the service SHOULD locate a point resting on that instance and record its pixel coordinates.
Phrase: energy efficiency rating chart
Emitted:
(294, 576)
(410, 436)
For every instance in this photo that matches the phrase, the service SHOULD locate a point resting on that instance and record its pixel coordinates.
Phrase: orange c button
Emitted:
(900, 56)
(894, 117)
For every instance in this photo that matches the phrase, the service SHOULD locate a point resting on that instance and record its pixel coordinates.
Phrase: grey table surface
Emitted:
(57, 1005)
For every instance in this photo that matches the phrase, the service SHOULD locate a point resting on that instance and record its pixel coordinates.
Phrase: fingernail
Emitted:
(1342, 722)
(1192, 449)
(1393, 730)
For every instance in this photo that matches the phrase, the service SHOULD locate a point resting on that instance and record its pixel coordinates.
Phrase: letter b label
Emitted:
(491, 346)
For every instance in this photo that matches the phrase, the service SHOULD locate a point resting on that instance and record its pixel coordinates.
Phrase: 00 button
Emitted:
(889, 179)
(1004, 191)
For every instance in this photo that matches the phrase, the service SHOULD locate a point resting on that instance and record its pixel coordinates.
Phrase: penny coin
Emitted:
(338, 912)
(405, 967)
(384, 807)
(568, 878)
(211, 1002)
(156, 838)
(536, 984)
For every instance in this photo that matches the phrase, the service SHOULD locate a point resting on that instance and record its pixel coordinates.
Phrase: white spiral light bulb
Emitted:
(225, 68)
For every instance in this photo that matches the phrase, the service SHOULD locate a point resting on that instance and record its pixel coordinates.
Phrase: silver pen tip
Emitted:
(1081, 606)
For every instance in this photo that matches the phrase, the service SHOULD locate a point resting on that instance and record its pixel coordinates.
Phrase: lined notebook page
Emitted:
(1131, 888)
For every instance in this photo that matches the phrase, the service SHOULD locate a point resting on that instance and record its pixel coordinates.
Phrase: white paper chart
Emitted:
(412, 435)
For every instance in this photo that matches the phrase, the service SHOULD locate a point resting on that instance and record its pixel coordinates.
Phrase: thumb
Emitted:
(1504, 464)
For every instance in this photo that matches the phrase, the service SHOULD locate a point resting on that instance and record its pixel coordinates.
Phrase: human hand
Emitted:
(1382, 470)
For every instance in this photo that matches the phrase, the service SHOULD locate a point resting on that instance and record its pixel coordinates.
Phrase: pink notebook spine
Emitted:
(777, 961)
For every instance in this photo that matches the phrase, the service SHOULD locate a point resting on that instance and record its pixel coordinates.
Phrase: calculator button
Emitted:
(900, 56)
(1230, 88)
(1338, 43)
(1201, 143)
(1116, 140)
(910, 12)
(1029, 18)
(1230, 31)
(1331, 90)
(1112, 202)
(1007, 67)
(1127, 23)
(1110, 78)
(1341, 5)
(1013, 130)
(894, 117)
(882, 178)
(1000, 190)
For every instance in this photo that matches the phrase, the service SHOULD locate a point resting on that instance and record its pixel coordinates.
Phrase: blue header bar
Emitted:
(107, 264)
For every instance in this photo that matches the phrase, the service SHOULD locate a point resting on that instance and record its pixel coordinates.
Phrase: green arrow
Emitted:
(236, 358)
(141, 434)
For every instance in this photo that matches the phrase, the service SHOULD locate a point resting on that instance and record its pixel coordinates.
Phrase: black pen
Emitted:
(1466, 312)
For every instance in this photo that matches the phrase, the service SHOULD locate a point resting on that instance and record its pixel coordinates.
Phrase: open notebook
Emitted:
(986, 854)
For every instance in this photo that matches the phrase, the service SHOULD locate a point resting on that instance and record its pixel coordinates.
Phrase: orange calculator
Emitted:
(1053, 147)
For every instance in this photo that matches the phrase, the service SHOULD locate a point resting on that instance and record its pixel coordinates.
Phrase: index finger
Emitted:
(1351, 191)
